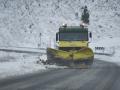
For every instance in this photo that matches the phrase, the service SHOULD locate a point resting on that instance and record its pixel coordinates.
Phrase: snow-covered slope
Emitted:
(22, 21)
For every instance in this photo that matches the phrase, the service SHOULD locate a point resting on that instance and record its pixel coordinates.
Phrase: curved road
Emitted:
(101, 76)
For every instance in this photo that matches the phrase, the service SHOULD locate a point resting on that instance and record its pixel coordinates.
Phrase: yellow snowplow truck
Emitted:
(71, 47)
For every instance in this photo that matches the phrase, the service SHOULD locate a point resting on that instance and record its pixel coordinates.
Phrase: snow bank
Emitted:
(108, 43)
(114, 59)
(12, 64)
(18, 68)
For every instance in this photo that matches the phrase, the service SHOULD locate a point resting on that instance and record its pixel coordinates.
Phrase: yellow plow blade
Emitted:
(83, 55)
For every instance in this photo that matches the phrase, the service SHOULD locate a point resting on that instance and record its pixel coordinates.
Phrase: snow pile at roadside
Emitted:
(108, 43)
(115, 58)
(19, 68)
(12, 64)
(15, 64)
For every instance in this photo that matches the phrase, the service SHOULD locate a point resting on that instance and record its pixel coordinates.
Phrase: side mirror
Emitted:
(57, 36)
(90, 35)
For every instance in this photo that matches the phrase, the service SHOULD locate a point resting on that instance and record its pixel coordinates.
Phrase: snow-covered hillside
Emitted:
(22, 21)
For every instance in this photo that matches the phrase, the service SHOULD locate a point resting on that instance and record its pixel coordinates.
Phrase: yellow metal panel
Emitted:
(84, 53)
(79, 55)
(73, 43)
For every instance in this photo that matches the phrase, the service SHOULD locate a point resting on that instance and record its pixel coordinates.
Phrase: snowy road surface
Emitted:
(101, 76)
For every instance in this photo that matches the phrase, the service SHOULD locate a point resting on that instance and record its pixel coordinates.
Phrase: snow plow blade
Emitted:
(73, 58)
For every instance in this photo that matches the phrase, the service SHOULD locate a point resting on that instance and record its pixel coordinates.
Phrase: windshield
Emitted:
(74, 36)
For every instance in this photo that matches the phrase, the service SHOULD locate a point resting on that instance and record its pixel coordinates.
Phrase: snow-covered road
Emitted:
(101, 76)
